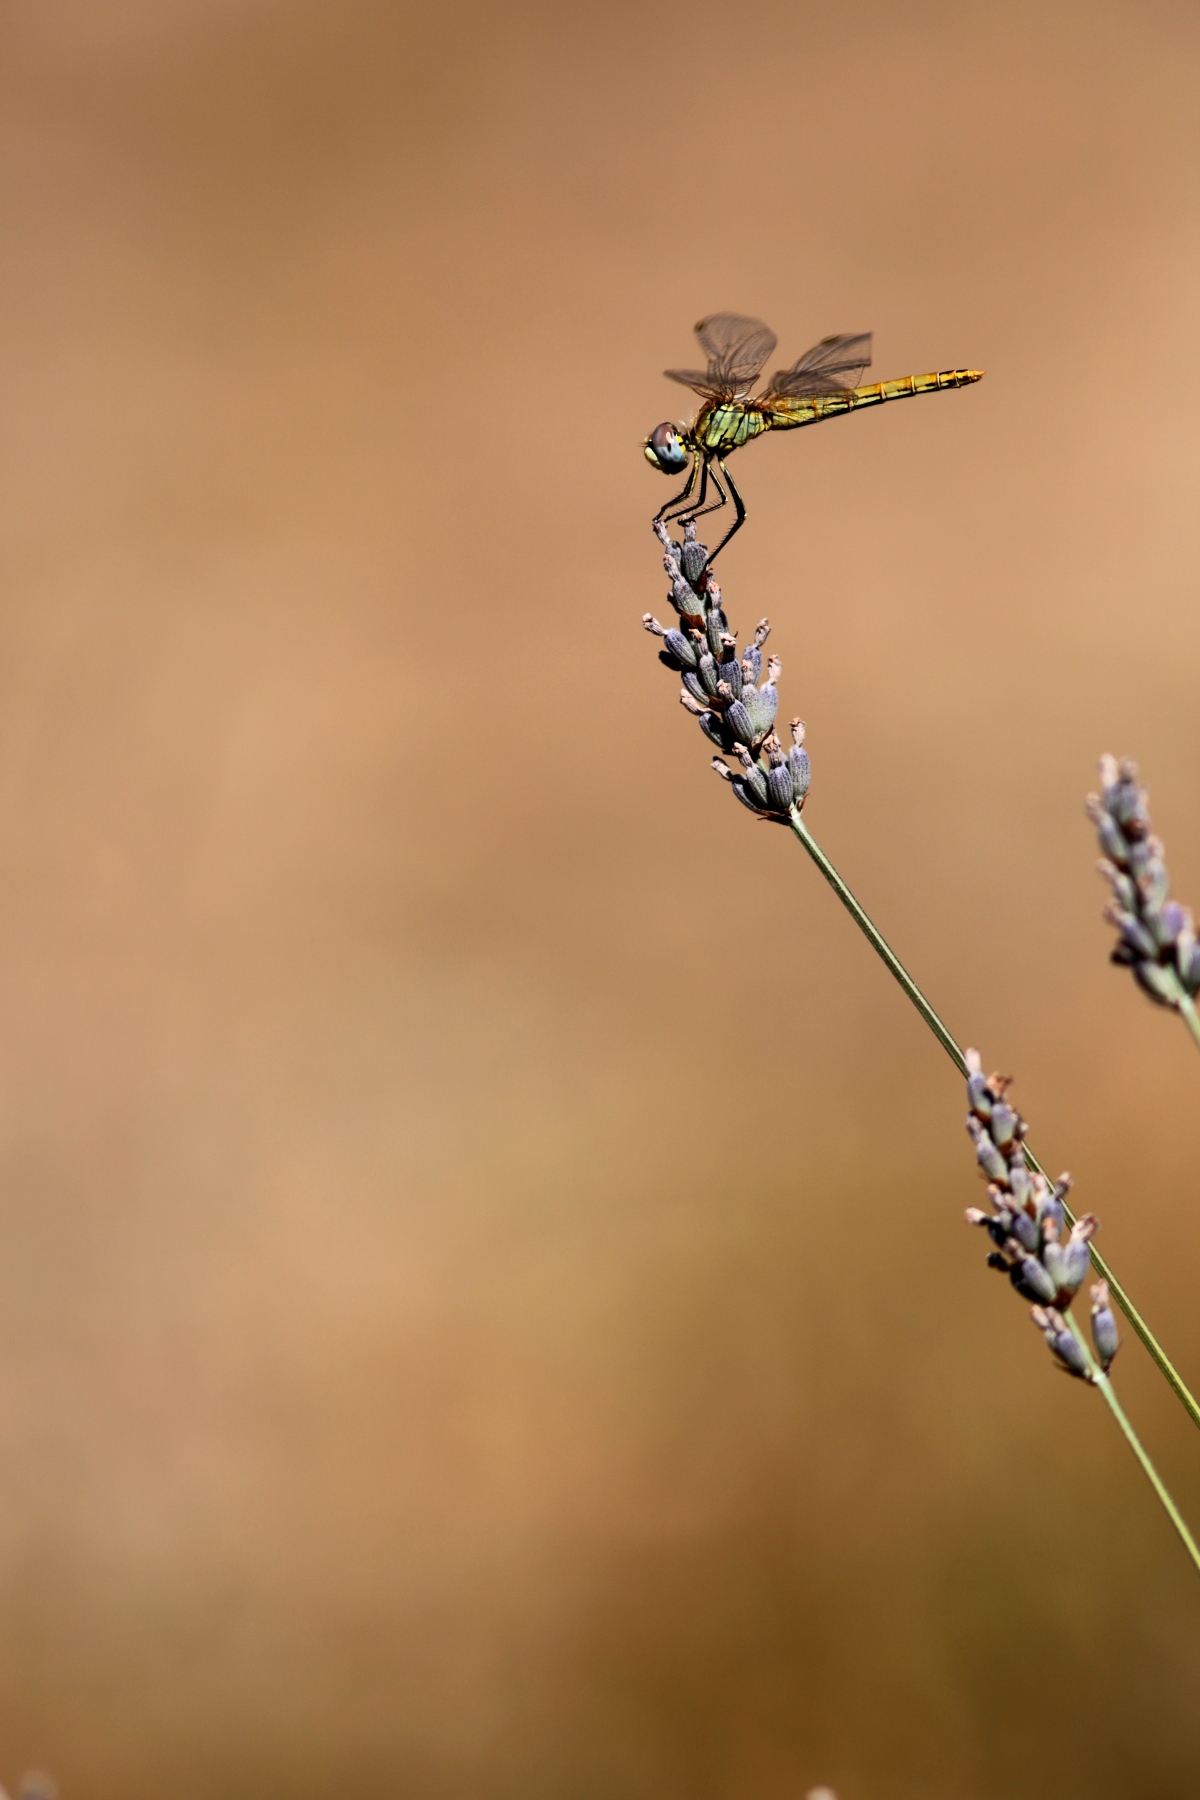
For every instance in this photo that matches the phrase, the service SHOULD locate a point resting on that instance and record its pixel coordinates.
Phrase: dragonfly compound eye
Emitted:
(665, 449)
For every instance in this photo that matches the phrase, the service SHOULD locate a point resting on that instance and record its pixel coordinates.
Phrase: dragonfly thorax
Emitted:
(666, 449)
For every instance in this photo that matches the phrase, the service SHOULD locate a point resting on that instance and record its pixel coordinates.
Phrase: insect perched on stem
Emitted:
(820, 386)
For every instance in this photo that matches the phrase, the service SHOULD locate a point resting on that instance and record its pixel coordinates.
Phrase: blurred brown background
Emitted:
(484, 1302)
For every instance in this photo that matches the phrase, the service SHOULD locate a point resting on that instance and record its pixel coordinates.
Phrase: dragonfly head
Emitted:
(666, 450)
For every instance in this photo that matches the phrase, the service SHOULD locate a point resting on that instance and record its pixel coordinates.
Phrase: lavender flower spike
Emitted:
(732, 697)
(1026, 1226)
(1156, 937)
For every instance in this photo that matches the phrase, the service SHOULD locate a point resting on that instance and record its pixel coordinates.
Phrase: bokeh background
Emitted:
(484, 1307)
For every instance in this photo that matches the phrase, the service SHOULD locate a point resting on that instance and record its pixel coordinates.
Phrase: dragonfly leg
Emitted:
(714, 505)
(739, 507)
(667, 510)
(674, 509)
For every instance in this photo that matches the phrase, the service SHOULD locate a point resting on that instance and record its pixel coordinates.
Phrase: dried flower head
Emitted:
(734, 701)
(1044, 1259)
(1155, 935)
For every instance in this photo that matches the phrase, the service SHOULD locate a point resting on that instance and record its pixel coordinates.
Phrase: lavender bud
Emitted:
(1104, 1326)
(979, 1095)
(1029, 1277)
(1064, 1345)
(1124, 891)
(685, 599)
(681, 648)
(709, 673)
(1133, 932)
(753, 775)
(801, 774)
(987, 1155)
(779, 780)
(713, 728)
(696, 688)
(1024, 1229)
(730, 667)
(1191, 980)
(1020, 1182)
(693, 559)
(1111, 840)
(745, 796)
(760, 704)
(1003, 1125)
(738, 719)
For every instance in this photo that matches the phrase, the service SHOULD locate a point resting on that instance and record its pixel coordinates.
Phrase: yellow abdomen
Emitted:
(787, 414)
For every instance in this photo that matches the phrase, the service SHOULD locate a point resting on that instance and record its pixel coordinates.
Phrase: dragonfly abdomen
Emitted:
(806, 409)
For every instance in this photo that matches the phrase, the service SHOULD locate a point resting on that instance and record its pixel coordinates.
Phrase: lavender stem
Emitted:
(953, 1050)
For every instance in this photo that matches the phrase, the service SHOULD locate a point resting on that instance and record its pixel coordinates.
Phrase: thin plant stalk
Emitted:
(954, 1051)
(1101, 1380)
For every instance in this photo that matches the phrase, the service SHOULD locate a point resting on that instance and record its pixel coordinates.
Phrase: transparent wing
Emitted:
(702, 382)
(737, 349)
(831, 366)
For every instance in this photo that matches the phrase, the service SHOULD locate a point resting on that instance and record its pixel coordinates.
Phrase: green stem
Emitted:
(942, 1033)
(1187, 1007)
(1100, 1380)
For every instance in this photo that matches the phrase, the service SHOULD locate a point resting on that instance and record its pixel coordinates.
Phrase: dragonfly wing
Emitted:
(702, 382)
(737, 349)
(830, 367)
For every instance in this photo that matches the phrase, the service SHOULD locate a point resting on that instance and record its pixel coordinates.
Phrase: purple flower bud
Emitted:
(693, 559)
(681, 648)
(714, 730)
(1003, 1125)
(745, 796)
(753, 776)
(779, 781)
(1024, 1229)
(1112, 841)
(1124, 892)
(696, 688)
(1154, 887)
(1064, 1345)
(1192, 978)
(1029, 1277)
(1170, 922)
(1104, 1326)
(709, 673)
(738, 719)
(979, 1094)
(987, 1155)
(761, 705)
(1133, 932)
(800, 771)
(686, 600)
(731, 670)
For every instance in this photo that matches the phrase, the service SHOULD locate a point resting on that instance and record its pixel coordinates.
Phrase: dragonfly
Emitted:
(822, 385)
